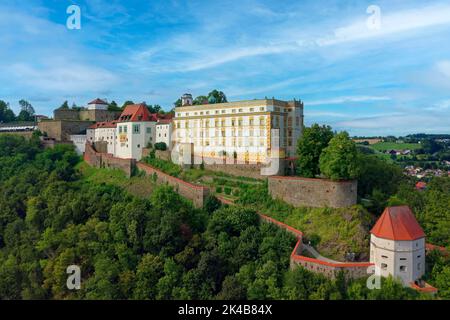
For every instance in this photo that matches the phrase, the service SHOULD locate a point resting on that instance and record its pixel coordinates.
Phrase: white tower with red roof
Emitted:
(397, 245)
(97, 104)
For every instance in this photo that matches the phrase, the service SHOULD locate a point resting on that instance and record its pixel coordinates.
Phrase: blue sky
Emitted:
(390, 80)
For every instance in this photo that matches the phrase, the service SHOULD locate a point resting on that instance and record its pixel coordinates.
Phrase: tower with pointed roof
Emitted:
(397, 245)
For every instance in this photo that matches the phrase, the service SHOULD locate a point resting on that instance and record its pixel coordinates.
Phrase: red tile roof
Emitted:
(398, 223)
(166, 116)
(431, 247)
(136, 112)
(421, 185)
(427, 288)
(164, 121)
(111, 124)
(97, 101)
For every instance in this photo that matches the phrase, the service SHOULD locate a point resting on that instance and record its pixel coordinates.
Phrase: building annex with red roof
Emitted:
(132, 131)
(136, 129)
(103, 132)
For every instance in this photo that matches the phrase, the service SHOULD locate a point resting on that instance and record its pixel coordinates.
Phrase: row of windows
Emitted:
(232, 144)
(384, 266)
(233, 133)
(223, 111)
(401, 259)
(238, 110)
(136, 129)
(222, 133)
(238, 122)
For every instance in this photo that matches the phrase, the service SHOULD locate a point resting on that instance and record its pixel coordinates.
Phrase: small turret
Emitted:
(186, 99)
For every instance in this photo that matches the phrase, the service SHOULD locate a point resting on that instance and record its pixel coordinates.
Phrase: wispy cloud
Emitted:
(340, 100)
(391, 23)
(330, 114)
(444, 68)
(283, 39)
(157, 50)
(71, 78)
(439, 106)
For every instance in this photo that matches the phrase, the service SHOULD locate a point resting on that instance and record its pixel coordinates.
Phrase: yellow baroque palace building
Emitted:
(242, 129)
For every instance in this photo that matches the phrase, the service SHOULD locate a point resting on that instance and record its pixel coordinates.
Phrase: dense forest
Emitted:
(159, 247)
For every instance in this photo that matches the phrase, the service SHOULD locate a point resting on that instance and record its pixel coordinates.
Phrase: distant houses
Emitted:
(421, 173)
(421, 185)
(399, 152)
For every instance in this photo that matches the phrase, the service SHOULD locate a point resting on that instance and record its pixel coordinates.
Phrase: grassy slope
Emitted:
(139, 186)
(333, 232)
(338, 230)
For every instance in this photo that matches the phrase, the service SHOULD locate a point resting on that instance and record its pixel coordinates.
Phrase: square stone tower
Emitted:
(397, 245)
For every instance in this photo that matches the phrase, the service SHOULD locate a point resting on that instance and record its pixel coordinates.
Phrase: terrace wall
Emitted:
(196, 193)
(61, 130)
(313, 192)
(330, 270)
(352, 270)
(106, 160)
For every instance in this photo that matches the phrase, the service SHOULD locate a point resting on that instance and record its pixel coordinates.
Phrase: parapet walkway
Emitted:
(317, 255)
(300, 246)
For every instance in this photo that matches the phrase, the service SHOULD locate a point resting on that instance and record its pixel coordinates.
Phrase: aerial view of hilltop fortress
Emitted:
(269, 151)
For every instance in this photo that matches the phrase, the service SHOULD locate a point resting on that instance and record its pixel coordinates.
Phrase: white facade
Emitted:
(132, 137)
(164, 134)
(186, 100)
(97, 104)
(90, 135)
(240, 128)
(401, 259)
(79, 141)
(106, 134)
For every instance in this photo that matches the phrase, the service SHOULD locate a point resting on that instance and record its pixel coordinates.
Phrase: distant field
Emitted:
(383, 146)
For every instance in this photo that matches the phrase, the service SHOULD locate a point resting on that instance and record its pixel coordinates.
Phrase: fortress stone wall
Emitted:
(105, 160)
(352, 270)
(196, 193)
(313, 192)
(66, 114)
(85, 115)
(240, 170)
(237, 167)
(61, 130)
